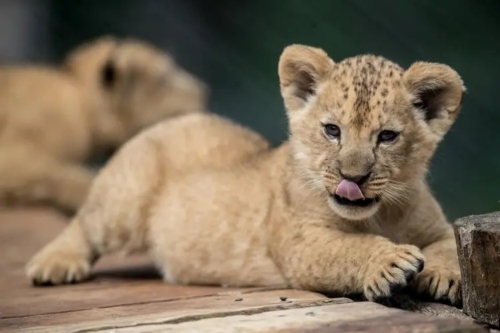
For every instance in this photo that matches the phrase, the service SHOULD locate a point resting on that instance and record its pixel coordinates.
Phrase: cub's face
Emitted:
(132, 85)
(363, 130)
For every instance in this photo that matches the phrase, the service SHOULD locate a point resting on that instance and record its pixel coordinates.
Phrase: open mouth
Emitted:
(358, 203)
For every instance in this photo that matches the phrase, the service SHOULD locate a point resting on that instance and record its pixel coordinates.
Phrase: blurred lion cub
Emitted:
(341, 206)
(52, 120)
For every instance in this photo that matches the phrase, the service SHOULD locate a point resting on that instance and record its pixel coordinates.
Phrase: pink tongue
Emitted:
(349, 190)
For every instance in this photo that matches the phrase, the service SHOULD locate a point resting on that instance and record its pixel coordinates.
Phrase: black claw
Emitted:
(395, 287)
(383, 300)
(451, 283)
(68, 279)
(458, 302)
(355, 296)
(384, 276)
(447, 300)
(40, 283)
(378, 290)
(435, 289)
(420, 265)
(409, 275)
(431, 279)
(392, 276)
(370, 289)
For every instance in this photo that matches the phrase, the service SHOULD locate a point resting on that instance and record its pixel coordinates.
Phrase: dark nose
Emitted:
(356, 178)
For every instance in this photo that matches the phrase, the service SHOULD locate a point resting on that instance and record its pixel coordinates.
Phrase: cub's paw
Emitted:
(391, 270)
(52, 267)
(440, 284)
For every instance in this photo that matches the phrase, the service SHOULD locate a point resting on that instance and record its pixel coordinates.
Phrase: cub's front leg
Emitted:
(319, 258)
(429, 230)
(441, 279)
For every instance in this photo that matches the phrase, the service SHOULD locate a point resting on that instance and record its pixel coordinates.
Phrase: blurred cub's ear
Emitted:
(108, 74)
(437, 91)
(301, 69)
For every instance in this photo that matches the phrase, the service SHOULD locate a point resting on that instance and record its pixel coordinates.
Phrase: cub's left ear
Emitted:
(437, 92)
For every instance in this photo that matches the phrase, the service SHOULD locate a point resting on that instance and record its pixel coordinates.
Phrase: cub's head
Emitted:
(363, 130)
(130, 84)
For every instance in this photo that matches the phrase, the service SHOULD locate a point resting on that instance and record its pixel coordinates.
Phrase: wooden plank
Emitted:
(117, 281)
(400, 323)
(71, 299)
(167, 311)
(24, 231)
(348, 317)
(127, 293)
(478, 239)
(112, 270)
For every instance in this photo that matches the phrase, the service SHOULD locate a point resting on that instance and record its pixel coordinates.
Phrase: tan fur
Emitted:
(53, 119)
(219, 207)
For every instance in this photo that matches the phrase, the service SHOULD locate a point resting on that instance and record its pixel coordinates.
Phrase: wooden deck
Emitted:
(126, 295)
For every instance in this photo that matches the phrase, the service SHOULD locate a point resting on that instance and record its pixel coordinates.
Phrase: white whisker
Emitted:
(397, 193)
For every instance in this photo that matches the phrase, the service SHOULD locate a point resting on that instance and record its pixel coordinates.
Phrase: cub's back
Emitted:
(42, 107)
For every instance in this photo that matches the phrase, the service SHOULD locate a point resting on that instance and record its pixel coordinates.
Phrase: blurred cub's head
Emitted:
(363, 130)
(130, 84)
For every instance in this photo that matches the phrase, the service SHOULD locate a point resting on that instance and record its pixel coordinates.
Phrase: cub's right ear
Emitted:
(108, 74)
(301, 69)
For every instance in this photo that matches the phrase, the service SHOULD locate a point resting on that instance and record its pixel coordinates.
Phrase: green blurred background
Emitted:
(234, 46)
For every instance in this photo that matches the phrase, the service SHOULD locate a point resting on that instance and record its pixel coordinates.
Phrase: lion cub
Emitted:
(341, 206)
(54, 119)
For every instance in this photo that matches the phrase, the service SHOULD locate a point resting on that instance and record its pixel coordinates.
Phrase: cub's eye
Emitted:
(331, 130)
(387, 136)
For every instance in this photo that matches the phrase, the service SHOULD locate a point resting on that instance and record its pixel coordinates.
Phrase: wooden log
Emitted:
(478, 241)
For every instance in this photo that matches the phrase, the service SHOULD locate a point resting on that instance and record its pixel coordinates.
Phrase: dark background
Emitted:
(234, 46)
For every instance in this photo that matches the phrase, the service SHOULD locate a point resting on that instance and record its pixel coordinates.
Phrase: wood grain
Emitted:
(350, 317)
(169, 312)
(478, 239)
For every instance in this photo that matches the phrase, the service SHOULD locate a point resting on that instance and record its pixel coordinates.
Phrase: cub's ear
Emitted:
(301, 69)
(437, 92)
(108, 74)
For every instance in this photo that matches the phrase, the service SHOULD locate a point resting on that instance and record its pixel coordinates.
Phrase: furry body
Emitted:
(221, 207)
(54, 119)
